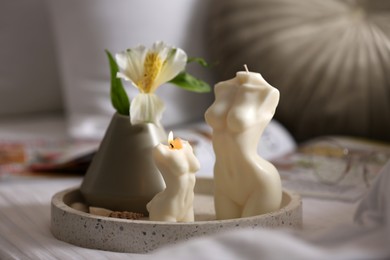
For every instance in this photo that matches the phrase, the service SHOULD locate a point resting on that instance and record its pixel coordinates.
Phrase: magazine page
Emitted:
(333, 167)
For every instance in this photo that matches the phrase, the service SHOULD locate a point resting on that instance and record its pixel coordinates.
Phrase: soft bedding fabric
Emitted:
(25, 227)
(367, 238)
(328, 231)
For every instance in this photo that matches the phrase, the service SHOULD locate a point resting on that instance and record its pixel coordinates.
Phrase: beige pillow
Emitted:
(329, 59)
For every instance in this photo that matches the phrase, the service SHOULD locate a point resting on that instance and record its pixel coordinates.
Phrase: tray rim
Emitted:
(139, 236)
(57, 200)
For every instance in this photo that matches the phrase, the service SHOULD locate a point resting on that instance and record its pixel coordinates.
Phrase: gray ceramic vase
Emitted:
(122, 175)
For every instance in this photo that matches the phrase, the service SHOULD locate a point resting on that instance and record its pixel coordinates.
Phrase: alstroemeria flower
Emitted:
(147, 69)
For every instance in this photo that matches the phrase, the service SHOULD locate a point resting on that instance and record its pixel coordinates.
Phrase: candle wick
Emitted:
(246, 68)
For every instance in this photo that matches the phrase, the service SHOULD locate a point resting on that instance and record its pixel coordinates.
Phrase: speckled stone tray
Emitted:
(140, 236)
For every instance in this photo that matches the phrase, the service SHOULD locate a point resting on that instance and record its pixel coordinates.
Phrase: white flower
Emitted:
(147, 69)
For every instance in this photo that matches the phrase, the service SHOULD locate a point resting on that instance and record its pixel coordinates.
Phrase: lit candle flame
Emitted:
(170, 137)
(174, 143)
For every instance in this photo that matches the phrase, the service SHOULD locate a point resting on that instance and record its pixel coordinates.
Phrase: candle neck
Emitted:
(245, 77)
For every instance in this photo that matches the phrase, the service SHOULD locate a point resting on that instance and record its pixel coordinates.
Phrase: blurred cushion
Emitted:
(29, 81)
(329, 59)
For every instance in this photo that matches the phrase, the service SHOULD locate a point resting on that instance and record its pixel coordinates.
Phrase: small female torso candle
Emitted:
(245, 184)
(178, 165)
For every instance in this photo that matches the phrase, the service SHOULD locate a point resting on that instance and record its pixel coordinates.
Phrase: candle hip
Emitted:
(245, 184)
(178, 165)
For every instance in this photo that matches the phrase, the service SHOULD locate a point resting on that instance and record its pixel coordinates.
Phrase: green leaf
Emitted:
(188, 82)
(202, 62)
(119, 98)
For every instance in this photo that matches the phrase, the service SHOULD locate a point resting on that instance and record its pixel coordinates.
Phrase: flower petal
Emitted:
(161, 48)
(131, 63)
(146, 108)
(120, 75)
(174, 63)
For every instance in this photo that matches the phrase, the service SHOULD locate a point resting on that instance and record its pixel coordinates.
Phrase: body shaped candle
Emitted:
(245, 184)
(178, 165)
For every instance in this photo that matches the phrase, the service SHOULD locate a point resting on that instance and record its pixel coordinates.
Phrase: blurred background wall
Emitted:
(29, 77)
(53, 57)
(329, 59)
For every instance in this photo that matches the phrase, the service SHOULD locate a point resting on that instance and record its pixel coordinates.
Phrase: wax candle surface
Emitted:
(178, 165)
(245, 184)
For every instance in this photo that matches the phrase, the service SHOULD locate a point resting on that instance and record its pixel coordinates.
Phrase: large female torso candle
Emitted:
(245, 184)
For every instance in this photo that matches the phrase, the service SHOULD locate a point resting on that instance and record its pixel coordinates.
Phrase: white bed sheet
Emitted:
(25, 222)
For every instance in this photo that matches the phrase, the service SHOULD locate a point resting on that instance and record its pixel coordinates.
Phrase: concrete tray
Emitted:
(140, 236)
